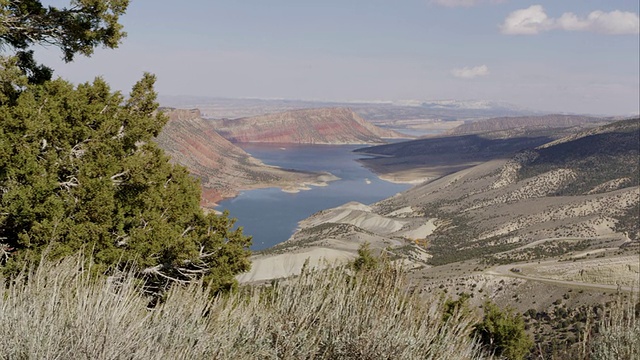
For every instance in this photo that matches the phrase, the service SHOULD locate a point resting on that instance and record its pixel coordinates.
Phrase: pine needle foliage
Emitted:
(502, 332)
(79, 170)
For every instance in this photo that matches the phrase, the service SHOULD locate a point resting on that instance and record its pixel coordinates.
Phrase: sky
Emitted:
(574, 56)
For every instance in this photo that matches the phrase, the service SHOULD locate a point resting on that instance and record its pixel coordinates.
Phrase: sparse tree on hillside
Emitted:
(456, 307)
(365, 260)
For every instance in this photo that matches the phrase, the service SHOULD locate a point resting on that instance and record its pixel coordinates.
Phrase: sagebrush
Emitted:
(62, 311)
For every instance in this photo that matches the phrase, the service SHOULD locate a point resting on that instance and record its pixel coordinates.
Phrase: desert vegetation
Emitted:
(61, 309)
(64, 309)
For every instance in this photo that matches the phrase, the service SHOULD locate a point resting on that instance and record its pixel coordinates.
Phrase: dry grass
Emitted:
(611, 333)
(618, 333)
(59, 311)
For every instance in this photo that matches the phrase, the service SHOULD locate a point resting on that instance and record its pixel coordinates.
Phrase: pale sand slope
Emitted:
(421, 232)
(289, 264)
(335, 245)
(356, 214)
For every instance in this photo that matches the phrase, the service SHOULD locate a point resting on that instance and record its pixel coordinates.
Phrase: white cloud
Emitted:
(470, 72)
(613, 23)
(463, 3)
(529, 21)
(533, 20)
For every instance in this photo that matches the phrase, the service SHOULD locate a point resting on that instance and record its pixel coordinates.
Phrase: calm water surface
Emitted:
(271, 215)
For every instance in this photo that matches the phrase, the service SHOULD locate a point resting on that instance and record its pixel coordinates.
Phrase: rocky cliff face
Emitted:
(222, 167)
(308, 126)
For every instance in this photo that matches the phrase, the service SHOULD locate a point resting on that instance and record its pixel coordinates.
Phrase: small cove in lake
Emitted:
(272, 215)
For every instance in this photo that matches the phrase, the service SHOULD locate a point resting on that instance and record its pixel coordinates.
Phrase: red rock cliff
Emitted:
(308, 126)
(222, 167)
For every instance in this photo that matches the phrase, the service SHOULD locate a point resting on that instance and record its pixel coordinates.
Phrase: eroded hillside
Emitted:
(526, 123)
(426, 159)
(470, 144)
(543, 203)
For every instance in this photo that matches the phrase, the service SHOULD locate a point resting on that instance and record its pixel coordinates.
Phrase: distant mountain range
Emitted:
(205, 146)
(307, 126)
(375, 111)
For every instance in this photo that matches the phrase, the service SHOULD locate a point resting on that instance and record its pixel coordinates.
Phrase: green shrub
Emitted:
(503, 333)
(365, 260)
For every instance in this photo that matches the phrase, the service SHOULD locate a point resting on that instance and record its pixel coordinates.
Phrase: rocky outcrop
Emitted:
(223, 167)
(309, 126)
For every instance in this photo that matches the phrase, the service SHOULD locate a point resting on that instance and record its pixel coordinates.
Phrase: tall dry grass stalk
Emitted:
(617, 334)
(59, 311)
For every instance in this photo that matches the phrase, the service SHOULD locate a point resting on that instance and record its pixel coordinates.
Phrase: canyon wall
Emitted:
(308, 126)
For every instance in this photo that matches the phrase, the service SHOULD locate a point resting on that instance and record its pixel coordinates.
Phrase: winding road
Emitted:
(505, 270)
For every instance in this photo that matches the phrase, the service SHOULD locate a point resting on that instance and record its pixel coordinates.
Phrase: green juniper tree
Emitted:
(79, 28)
(502, 332)
(79, 170)
(365, 260)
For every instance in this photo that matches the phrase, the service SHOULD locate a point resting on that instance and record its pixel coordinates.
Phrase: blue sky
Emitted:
(566, 56)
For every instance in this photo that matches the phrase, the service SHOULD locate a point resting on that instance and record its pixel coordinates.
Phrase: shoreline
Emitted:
(410, 178)
(211, 204)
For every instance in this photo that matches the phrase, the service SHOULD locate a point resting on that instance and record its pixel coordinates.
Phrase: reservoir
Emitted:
(271, 216)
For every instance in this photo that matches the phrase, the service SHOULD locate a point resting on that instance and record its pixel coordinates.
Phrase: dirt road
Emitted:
(506, 270)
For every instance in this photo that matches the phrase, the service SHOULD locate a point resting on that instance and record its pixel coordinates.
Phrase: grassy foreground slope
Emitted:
(61, 312)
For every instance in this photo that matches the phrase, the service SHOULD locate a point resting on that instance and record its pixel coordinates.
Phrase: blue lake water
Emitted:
(271, 215)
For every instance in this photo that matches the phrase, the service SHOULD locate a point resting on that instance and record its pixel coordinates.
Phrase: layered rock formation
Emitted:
(308, 126)
(223, 168)
(526, 123)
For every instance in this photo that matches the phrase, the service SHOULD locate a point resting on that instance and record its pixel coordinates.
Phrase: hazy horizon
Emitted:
(569, 57)
(183, 100)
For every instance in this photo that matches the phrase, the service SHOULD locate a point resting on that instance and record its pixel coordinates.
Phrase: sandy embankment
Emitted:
(420, 232)
(406, 177)
(266, 267)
